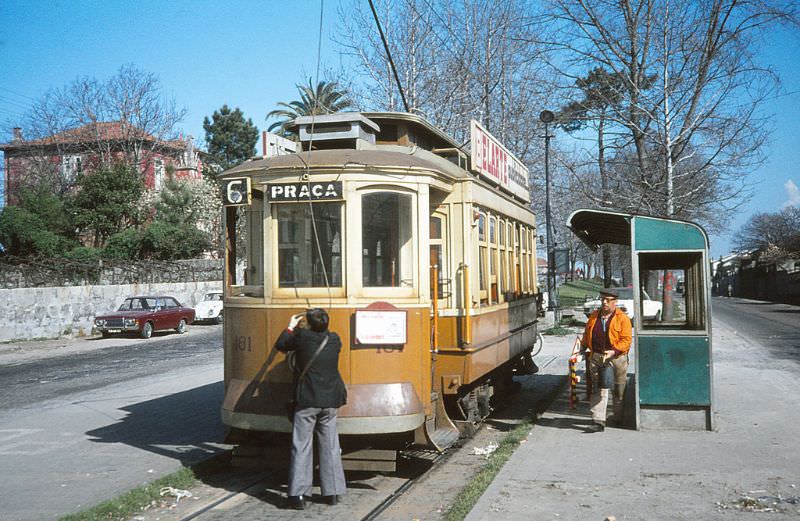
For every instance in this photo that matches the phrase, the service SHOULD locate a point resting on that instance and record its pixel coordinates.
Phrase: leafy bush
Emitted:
(23, 233)
(126, 244)
(84, 254)
(166, 241)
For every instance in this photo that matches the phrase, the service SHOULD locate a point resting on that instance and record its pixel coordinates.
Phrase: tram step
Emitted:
(375, 460)
(443, 438)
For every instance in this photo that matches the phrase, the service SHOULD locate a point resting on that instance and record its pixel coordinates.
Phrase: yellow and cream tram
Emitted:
(424, 257)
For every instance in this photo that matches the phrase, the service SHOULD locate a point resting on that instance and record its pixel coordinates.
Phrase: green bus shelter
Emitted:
(672, 347)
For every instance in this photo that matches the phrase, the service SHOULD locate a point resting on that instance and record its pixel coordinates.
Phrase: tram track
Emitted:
(253, 489)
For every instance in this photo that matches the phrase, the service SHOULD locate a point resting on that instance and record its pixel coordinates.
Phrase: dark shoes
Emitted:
(596, 427)
(297, 502)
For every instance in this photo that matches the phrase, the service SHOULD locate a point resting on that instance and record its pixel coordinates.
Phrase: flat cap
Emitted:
(611, 292)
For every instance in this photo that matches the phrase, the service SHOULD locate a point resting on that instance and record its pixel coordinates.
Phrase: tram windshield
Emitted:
(299, 261)
(386, 240)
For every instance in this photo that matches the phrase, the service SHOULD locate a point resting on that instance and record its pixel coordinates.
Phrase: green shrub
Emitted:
(166, 241)
(126, 244)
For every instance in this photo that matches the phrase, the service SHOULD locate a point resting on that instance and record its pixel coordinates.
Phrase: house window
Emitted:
(158, 174)
(70, 167)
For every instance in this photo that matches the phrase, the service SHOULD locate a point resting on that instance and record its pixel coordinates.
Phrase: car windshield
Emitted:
(137, 304)
(213, 296)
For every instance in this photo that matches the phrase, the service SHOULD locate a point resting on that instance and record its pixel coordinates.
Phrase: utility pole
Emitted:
(547, 117)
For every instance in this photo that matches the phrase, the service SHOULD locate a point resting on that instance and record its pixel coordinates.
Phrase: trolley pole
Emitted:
(547, 117)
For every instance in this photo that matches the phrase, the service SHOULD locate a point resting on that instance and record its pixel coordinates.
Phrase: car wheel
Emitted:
(219, 319)
(147, 330)
(181, 326)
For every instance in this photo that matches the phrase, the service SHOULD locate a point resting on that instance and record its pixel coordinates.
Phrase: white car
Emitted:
(210, 308)
(652, 308)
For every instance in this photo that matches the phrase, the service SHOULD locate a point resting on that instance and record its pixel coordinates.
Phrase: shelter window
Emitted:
(305, 230)
(672, 295)
(386, 235)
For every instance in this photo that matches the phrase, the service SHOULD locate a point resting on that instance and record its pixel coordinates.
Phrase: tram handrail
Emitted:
(435, 303)
(467, 306)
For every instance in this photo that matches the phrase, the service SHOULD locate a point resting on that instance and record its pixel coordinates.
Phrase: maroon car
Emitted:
(144, 315)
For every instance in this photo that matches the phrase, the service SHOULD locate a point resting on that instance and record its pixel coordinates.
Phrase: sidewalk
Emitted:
(565, 473)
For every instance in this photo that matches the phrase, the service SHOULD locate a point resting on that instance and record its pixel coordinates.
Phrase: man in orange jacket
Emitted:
(607, 340)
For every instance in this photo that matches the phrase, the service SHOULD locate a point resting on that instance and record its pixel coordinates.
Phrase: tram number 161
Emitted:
(243, 343)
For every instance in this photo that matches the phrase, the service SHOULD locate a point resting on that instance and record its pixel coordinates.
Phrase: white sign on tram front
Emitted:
(493, 161)
(381, 326)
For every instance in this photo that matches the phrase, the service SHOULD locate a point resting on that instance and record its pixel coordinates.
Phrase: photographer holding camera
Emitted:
(318, 393)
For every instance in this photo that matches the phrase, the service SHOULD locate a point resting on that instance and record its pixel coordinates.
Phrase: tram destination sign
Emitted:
(309, 191)
(492, 161)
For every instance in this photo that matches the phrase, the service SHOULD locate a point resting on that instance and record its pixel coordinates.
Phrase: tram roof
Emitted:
(387, 156)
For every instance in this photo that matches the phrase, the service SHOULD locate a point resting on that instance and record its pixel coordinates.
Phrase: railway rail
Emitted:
(368, 497)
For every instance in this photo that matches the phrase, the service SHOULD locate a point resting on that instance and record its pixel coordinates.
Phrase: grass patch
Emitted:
(573, 293)
(558, 330)
(470, 494)
(138, 499)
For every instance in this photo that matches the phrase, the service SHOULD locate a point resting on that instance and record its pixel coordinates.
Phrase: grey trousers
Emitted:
(599, 400)
(307, 421)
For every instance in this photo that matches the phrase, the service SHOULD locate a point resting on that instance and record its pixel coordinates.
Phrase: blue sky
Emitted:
(250, 54)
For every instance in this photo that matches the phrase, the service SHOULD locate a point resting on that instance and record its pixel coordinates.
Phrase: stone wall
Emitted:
(54, 312)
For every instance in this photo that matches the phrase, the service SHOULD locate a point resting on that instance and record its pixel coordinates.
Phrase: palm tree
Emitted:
(326, 98)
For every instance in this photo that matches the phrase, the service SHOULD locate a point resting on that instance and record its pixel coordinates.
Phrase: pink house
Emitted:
(62, 156)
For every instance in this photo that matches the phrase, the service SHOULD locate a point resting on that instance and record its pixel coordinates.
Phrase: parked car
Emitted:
(210, 308)
(143, 315)
(652, 308)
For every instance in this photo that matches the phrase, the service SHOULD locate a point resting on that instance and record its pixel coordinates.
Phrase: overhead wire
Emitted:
(307, 176)
(389, 55)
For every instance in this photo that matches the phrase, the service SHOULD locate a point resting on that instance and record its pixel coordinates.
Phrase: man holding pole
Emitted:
(607, 338)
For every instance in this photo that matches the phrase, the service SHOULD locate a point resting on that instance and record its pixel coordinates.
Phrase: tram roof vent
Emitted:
(341, 130)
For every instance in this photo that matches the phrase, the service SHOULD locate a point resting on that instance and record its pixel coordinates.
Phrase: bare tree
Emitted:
(456, 61)
(775, 234)
(689, 97)
(120, 119)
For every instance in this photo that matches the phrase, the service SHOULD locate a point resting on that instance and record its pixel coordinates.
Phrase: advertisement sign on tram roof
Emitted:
(493, 161)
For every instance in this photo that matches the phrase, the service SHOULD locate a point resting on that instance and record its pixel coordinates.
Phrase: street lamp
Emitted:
(547, 117)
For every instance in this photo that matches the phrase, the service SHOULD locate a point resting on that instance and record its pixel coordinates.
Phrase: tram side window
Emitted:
(386, 235)
(482, 254)
(672, 295)
(245, 247)
(493, 294)
(502, 282)
(299, 262)
(437, 258)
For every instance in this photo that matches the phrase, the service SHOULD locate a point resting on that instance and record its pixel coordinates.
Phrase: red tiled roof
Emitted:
(98, 131)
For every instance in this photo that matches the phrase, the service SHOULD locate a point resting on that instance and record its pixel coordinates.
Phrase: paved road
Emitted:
(95, 363)
(776, 327)
(83, 422)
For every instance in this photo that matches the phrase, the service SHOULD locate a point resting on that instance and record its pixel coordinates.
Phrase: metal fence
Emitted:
(18, 272)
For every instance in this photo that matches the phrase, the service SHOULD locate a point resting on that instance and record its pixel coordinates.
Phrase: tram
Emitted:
(423, 255)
